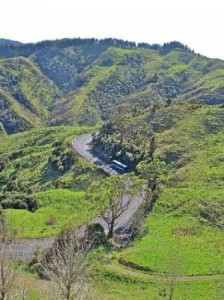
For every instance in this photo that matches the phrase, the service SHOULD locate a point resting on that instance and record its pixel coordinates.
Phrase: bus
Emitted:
(118, 166)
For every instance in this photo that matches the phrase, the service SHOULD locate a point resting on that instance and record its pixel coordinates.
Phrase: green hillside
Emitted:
(42, 181)
(184, 233)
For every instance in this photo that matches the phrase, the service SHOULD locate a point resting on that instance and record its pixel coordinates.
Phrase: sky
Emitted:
(196, 23)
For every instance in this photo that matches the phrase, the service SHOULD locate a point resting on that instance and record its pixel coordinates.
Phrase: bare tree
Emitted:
(113, 197)
(66, 264)
(7, 268)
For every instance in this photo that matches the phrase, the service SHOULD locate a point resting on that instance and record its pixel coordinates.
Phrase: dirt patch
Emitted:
(183, 231)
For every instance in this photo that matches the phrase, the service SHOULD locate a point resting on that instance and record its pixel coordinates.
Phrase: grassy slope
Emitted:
(179, 227)
(25, 94)
(58, 208)
(30, 170)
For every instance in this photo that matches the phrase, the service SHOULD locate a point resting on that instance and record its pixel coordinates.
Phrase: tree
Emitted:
(114, 195)
(152, 173)
(7, 272)
(175, 268)
(2, 130)
(66, 264)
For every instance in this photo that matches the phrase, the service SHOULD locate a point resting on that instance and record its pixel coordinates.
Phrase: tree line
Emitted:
(11, 50)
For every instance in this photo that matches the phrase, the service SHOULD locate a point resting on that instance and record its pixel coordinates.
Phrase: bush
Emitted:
(16, 154)
(67, 160)
(57, 143)
(96, 234)
(61, 161)
(3, 179)
(32, 204)
(57, 151)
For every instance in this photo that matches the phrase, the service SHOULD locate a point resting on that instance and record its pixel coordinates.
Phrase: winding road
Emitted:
(82, 145)
(24, 249)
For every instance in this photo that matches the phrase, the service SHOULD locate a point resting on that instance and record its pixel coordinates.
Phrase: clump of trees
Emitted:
(61, 159)
(127, 139)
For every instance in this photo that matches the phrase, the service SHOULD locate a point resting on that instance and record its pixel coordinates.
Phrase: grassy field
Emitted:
(58, 208)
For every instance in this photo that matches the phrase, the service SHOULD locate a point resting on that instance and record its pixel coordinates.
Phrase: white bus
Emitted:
(119, 166)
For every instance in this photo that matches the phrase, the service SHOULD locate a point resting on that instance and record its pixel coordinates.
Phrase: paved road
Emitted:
(24, 249)
(82, 145)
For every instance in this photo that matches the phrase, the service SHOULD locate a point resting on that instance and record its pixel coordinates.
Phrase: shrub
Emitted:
(15, 204)
(32, 203)
(96, 233)
(18, 201)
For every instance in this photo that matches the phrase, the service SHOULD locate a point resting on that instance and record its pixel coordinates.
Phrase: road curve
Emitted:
(82, 145)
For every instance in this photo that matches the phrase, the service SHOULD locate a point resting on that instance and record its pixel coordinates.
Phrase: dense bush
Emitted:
(61, 159)
(127, 139)
(18, 201)
(3, 163)
(16, 204)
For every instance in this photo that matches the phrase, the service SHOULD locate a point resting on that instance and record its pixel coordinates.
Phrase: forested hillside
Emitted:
(9, 42)
(85, 81)
(26, 94)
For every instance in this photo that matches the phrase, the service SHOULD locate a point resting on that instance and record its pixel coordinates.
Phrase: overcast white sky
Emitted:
(197, 23)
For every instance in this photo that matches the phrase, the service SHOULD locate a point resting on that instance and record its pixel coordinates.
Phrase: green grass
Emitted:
(58, 209)
(116, 283)
(198, 249)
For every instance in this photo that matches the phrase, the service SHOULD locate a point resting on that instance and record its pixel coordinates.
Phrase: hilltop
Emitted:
(9, 42)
